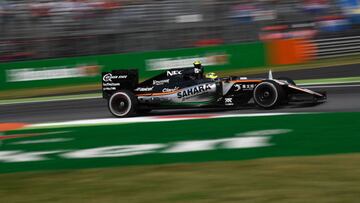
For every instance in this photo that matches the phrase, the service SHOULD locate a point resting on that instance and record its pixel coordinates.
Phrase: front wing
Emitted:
(298, 94)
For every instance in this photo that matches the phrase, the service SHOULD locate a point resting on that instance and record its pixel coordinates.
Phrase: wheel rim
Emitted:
(265, 95)
(120, 104)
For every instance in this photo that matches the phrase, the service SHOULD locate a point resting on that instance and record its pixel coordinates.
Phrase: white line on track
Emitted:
(115, 121)
(52, 140)
(329, 86)
(49, 99)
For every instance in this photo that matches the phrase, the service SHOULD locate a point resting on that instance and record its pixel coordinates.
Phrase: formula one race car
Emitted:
(189, 87)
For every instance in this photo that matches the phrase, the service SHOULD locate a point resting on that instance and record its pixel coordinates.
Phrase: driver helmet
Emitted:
(197, 64)
(211, 75)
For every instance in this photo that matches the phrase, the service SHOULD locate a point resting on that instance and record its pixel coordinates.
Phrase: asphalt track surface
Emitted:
(345, 98)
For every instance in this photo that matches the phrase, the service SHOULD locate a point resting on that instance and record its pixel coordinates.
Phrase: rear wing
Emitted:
(119, 80)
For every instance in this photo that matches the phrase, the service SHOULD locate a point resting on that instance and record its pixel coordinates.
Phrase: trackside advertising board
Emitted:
(87, 69)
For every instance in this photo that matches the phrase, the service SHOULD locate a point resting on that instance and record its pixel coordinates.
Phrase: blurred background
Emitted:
(68, 43)
(52, 53)
(41, 29)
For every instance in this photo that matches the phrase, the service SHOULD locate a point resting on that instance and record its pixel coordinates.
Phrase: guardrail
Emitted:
(335, 47)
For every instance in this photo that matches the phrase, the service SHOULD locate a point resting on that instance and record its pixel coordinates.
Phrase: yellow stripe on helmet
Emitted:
(197, 63)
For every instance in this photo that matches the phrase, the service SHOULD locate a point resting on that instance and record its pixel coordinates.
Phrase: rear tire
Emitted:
(122, 104)
(268, 94)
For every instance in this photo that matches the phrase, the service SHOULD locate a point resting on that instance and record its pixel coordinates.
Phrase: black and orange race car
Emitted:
(189, 87)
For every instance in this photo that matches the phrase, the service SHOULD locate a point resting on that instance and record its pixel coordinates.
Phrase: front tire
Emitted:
(268, 94)
(122, 104)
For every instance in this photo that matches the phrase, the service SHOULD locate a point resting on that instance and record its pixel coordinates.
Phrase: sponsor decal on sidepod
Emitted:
(144, 89)
(108, 77)
(170, 89)
(161, 82)
(194, 91)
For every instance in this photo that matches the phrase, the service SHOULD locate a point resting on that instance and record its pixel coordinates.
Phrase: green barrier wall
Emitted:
(85, 70)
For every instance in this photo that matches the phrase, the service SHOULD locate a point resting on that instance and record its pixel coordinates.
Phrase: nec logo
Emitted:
(173, 72)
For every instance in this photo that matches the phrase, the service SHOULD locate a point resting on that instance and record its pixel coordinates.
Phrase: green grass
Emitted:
(317, 179)
(329, 81)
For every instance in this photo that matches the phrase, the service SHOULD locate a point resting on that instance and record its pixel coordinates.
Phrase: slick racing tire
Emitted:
(290, 81)
(122, 103)
(268, 94)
